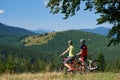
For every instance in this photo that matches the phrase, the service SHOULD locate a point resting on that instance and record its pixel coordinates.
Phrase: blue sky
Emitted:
(33, 14)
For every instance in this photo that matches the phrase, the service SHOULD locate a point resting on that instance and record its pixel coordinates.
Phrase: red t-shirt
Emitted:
(84, 50)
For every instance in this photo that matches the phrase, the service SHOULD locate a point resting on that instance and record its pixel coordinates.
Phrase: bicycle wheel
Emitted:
(86, 69)
(96, 65)
(61, 68)
(86, 66)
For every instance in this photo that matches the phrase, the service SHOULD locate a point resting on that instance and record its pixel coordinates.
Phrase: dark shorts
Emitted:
(68, 59)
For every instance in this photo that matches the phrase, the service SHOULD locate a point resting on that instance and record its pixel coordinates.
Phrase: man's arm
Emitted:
(80, 52)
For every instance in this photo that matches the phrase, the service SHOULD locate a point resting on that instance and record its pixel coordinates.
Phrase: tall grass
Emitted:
(61, 76)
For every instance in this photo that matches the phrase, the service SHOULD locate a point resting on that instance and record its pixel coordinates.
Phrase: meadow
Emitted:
(61, 76)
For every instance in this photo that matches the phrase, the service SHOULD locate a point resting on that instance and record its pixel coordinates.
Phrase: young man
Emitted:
(70, 49)
(83, 53)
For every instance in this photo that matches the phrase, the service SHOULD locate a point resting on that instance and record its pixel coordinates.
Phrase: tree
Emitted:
(117, 65)
(109, 11)
(103, 63)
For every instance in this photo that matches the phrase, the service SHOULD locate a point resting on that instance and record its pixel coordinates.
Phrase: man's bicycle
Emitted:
(93, 66)
(77, 66)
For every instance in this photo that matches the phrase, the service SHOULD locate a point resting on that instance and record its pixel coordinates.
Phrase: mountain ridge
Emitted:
(10, 30)
(12, 35)
(99, 30)
(42, 31)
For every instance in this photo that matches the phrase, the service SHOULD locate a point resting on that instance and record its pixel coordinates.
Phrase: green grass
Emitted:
(38, 39)
(60, 76)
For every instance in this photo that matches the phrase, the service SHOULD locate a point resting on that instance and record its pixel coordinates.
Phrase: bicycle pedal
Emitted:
(70, 69)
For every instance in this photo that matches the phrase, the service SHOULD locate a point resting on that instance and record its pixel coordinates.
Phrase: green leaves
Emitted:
(66, 7)
(114, 34)
(109, 10)
(102, 19)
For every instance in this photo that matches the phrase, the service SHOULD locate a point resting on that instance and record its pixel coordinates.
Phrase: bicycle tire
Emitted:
(61, 68)
(98, 65)
(79, 66)
(87, 70)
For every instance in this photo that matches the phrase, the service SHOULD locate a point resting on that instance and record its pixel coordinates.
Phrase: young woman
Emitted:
(70, 49)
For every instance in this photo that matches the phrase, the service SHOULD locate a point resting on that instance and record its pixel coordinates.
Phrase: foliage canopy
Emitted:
(109, 11)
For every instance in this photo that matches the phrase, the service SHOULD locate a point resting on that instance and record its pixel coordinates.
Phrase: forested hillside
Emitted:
(12, 35)
(44, 49)
(97, 44)
(15, 59)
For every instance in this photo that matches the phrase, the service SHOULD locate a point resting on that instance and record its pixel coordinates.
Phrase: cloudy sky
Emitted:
(33, 14)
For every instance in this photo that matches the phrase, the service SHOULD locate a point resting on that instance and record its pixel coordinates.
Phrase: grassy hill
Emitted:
(38, 39)
(58, 43)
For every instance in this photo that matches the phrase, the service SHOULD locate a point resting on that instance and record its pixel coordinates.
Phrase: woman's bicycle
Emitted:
(73, 63)
(77, 66)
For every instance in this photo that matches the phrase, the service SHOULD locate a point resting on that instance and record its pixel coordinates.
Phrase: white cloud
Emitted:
(46, 2)
(1, 11)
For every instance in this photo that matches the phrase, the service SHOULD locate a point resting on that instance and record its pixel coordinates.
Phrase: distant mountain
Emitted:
(100, 30)
(10, 30)
(41, 30)
(12, 35)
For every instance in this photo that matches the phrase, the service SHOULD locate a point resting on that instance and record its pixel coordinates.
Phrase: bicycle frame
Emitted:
(90, 65)
(73, 63)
